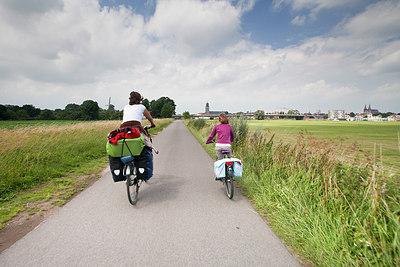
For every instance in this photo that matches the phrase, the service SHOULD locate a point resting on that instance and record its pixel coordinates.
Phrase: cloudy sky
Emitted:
(238, 55)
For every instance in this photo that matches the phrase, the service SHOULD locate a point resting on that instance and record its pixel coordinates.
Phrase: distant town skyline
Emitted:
(364, 109)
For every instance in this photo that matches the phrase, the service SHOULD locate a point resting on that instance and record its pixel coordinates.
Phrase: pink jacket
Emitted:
(225, 134)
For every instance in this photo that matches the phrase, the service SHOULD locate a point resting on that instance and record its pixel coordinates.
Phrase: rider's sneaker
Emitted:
(217, 179)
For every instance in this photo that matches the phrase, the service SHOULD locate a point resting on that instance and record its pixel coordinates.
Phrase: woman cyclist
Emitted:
(133, 115)
(225, 136)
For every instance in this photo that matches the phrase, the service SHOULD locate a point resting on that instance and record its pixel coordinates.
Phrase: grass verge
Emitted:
(51, 163)
(332, 212)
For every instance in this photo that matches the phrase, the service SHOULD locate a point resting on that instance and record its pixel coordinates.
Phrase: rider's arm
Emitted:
(146, 113)
(212, 135)
(232, 135)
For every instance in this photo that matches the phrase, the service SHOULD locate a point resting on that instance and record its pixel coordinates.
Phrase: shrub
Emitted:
(240, 130)
(197, 124)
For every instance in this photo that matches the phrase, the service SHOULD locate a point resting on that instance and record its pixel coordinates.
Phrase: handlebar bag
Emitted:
(126, 147)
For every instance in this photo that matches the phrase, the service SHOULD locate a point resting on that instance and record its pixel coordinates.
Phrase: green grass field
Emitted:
(368, 137)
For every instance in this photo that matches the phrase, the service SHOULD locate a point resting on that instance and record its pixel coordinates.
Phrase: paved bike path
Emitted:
(182, 218)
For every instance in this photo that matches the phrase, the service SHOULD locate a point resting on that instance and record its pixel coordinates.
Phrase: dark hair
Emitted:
(223, 118)
(135, 98)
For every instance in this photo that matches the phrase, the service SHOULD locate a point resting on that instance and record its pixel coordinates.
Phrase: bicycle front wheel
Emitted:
(132, 187)
(229, 186)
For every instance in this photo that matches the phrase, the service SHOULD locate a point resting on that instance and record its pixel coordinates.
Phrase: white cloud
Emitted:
(192, 51)
(323, 90)
(313, 6)
(380, 20)
(299, 20)
(195, 27)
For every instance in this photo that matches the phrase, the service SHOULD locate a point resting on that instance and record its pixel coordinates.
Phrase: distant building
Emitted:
(369, 110)
(394, 117)
(208, 114)
(336, 114)
(111, 107)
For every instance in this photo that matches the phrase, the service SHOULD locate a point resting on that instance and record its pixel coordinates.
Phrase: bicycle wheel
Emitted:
(229, 186)
(132, 187)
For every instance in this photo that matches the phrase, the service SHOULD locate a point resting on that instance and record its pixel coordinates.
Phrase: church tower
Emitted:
(207, 108)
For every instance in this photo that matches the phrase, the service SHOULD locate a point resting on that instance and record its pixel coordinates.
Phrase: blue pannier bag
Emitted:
(219, 167)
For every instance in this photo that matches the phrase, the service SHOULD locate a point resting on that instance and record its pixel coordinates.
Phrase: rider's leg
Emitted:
(219, 149)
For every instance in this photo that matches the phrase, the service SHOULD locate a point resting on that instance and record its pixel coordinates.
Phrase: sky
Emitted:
(237, 55)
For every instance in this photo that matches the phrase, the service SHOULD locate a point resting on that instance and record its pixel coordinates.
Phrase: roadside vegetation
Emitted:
(51, 162)
(332, 208)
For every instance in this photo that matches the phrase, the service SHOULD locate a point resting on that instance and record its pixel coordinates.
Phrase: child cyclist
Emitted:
(225, 136)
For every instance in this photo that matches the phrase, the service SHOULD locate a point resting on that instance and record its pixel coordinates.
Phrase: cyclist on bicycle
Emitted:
(225, 136)
(133, 115)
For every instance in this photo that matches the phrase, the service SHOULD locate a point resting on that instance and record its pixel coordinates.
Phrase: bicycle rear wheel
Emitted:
(229, 186)
(132, 187)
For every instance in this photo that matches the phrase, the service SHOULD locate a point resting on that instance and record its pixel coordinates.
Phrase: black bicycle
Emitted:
(133, 182)
(227, 180)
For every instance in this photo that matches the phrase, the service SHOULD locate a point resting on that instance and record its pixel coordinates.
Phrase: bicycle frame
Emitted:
(228, 179)
(133, 183)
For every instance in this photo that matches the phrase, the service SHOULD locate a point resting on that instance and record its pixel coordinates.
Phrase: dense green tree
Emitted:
(46, 115)
(385, 115)
(167, 111)
(110, 115)
(157, 105)
(293, 112)
(31, 110)
(21, 115)
(186, 115)
(71, 112)
(146, 103)
(4, 115)
(89, 110)
(259, 114)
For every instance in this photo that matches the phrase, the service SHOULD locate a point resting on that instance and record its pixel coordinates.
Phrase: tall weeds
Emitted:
(333, 212)
(240, 130)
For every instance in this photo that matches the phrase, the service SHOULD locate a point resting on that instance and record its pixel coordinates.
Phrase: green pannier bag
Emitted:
(126, 147)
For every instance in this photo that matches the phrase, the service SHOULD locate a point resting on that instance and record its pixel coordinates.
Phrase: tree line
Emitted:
(164, 107)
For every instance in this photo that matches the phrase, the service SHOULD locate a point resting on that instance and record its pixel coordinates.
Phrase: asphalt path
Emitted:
(182, 218)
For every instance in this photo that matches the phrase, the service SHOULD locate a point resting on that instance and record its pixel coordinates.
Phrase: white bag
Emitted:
(219, 167)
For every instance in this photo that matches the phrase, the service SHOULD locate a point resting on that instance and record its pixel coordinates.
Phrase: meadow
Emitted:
(50, 161)
(365, 140)
(330, 210)
(34, 123)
